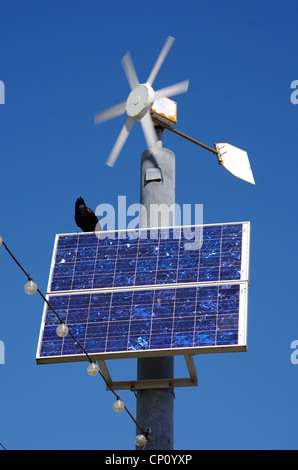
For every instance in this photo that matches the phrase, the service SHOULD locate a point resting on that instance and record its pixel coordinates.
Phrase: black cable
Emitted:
(2, 446)
(73, 337)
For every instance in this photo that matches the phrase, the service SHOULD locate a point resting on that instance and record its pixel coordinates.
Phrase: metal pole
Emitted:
(155, 408)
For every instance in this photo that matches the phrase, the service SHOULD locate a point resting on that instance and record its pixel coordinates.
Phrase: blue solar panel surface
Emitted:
(120, 294)
(84, 262)
(144, 320)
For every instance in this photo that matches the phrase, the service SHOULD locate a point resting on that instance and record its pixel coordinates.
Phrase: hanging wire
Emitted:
(73, 337)
(2, 446)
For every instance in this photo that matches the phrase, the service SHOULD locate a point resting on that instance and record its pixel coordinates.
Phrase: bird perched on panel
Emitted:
(85, 217)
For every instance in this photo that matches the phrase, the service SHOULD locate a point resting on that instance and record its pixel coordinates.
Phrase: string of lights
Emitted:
(92, 369)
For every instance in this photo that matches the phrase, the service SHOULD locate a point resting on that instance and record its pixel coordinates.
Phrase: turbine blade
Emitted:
(172, 90)
(130, 71)
(110, 113)
(120, 142)
(149, 131)
(160, 60)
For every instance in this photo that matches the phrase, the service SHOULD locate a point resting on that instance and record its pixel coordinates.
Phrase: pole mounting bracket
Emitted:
(152, 384)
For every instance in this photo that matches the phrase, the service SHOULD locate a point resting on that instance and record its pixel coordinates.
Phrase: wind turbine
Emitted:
(139, 102)
(139, 107)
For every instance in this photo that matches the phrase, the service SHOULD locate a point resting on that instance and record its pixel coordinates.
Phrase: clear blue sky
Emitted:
(60, 62)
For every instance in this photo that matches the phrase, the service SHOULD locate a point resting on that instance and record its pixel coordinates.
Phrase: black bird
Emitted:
(85, 217)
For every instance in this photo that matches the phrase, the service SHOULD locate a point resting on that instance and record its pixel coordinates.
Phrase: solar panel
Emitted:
(148, 292)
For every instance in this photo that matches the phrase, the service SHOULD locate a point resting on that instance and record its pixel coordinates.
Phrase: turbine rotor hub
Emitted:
(139, 101)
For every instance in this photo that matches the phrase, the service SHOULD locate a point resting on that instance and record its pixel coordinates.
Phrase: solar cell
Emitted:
(126, 295)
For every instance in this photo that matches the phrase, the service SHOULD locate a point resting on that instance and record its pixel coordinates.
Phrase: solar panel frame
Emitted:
(242, 326)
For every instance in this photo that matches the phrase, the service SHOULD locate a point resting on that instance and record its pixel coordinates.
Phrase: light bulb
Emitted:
(118, 406)
(140, 440)
(62, 330)
(1, 240)
(30, 287)
(92, 369)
